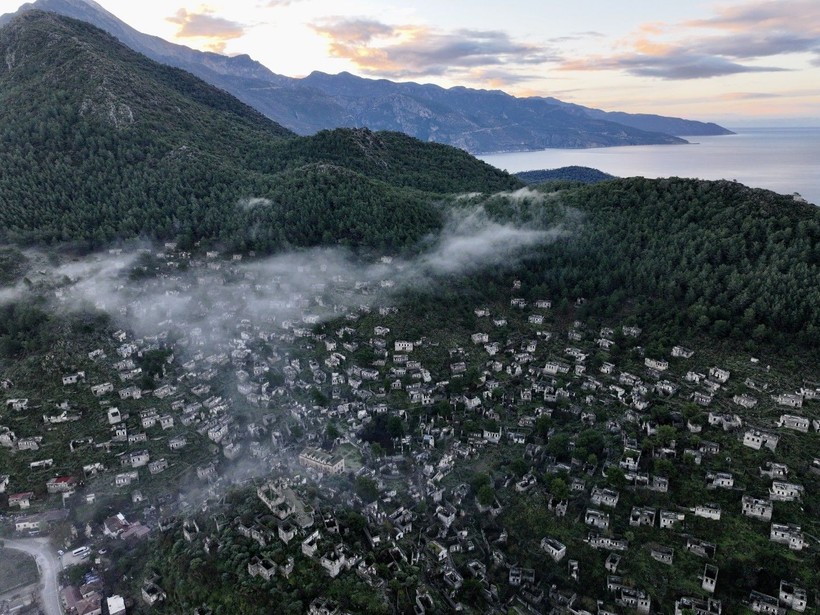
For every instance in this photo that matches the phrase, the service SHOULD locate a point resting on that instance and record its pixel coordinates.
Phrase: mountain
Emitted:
(475, 120)
(671, 125)
(647, 121)
(100, 143)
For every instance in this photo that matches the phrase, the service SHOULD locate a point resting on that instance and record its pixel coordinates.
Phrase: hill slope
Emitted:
(687, 256)
(102, 143)
(476, 120)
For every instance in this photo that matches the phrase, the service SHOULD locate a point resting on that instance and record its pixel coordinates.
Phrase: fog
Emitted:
(204, 299)
(221, 303)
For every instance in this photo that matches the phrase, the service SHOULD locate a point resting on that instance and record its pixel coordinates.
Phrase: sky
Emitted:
(739, 62)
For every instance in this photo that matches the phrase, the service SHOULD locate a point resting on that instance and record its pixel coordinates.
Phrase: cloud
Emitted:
(415, 51)
(577, 36)
(749, 95)
(670, 65)
(734, 40)
(499, 77)
(346, 32)
(253, 202)
(767, 95)
(204, 305)
(217, 31)
(765, 15)
(473, 241)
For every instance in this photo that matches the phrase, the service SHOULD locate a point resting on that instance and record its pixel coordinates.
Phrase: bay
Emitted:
(785, 160)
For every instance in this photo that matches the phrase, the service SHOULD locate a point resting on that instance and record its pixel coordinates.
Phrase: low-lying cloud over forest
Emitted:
(150, 290)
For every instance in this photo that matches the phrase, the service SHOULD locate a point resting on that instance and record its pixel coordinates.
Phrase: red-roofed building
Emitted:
(21, 500)
(61, 484)
(71, 596)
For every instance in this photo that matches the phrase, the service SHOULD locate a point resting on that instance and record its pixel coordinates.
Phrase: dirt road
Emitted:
(48, 564)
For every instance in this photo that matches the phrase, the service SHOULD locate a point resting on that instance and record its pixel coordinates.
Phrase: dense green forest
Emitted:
(716, 256)
(104, 144)
(689, 257)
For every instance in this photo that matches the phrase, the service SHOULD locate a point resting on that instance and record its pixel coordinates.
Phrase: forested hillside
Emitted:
(477, 120)
(102, 144)
(690, 256)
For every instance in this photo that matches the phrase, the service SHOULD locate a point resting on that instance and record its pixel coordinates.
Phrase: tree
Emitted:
(395, 427)
(559, 488)
(519, 467)
(486, 495)
(558, 446)
(616, 477)
(542, 426)
(665, 435)
(332, 431)
(367, 489)
(470, 591)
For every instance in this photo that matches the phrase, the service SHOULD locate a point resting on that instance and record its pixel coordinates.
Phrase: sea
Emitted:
(785, 160)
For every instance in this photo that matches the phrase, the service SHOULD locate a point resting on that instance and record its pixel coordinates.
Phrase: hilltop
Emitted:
(584, 175)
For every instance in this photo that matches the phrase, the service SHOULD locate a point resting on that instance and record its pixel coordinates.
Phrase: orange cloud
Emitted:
(653, 27)
(414, 51)
(646, 45)
(214, 32)
(765, 15)
(739, 37)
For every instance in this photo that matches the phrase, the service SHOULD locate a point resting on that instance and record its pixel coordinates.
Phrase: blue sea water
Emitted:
(786, 160)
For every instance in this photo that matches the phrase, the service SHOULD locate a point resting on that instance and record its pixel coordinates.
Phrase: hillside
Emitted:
(104, 145)
(585, 356)
(691, 257)
(475, 120)
(101, 143)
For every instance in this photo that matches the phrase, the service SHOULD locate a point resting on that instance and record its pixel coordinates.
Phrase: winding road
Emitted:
(48, 564)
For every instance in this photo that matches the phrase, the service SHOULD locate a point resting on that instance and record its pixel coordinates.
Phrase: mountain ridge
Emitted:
(101, 143)
(457, 116)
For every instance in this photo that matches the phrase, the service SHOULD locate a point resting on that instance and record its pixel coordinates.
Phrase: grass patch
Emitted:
(17, 569)
(352, 457)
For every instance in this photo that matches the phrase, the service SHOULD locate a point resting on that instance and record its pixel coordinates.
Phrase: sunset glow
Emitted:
(721, 61)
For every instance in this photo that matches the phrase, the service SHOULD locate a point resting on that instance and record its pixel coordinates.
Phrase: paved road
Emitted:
(48, 563)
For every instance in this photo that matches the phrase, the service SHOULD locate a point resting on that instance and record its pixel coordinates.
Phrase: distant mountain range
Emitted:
(479, 121)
